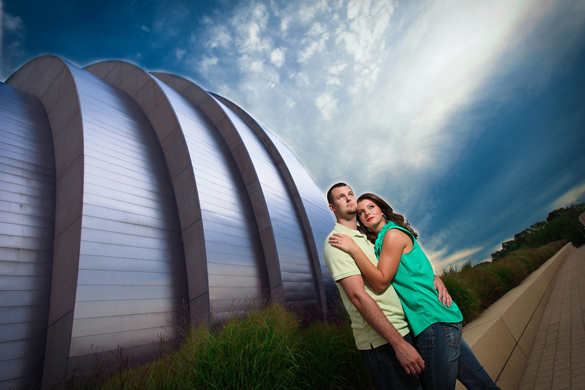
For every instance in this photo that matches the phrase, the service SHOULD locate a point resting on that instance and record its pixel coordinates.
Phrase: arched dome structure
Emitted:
(125, 195)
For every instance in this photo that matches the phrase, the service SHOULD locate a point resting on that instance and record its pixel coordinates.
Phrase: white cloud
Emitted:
(13, 34)
(144, 28)
(327, 104)
(440, 262)
(314, 41)
(218, 36)
(312, 48)
(180, 53)
(284, 22)
(317, 29)
(353, 8)
(250, 24)
(333, 81)
(12, 24)
(367, 25)
(250, 64)
(337, 69)
(302, 80)
(207, 62)
(225, 90)
(308, 12)
(277, 57)
(572, 196)
(257, 66)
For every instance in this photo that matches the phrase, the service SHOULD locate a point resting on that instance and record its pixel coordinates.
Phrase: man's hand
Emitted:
(444, 296)
(371, 312)
(409, 358)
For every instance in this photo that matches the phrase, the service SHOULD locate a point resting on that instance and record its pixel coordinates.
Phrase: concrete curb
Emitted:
(503, 335)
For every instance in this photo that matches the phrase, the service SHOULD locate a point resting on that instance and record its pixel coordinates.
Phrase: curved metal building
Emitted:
(126, 195)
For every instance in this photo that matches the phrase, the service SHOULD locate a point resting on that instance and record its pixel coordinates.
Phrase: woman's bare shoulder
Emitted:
(396, 236)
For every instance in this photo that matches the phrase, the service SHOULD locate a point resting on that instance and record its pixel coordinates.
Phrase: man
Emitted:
(379, 326)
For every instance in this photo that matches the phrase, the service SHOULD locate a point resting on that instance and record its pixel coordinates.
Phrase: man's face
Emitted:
(344, 203)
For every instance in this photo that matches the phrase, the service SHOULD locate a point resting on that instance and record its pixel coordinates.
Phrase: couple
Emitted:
(387, 284)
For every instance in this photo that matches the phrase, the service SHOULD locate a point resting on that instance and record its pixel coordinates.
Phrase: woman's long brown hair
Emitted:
(387, 212)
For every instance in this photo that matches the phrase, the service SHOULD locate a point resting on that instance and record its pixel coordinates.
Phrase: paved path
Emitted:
(557, 359)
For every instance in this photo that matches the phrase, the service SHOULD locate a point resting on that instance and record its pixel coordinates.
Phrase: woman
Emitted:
(436, 327)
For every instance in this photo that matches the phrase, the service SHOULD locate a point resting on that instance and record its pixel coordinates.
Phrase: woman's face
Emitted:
(370, 215)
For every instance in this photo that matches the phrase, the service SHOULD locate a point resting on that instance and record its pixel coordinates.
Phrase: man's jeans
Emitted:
(385, 369)
(447, 358)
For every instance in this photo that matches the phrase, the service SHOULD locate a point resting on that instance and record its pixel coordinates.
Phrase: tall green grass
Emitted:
(268, 349)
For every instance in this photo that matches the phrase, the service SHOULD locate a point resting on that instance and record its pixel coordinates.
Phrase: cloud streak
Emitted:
(441, 262)
(572, 196)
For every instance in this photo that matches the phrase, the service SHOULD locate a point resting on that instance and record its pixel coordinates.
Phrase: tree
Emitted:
(562, 223)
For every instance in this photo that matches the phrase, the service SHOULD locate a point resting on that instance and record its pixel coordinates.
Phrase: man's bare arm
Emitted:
(371, 312)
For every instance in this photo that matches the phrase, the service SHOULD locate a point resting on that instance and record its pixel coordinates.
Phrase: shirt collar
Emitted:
(343, 229)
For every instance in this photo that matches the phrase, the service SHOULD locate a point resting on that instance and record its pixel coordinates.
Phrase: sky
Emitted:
(467, 116)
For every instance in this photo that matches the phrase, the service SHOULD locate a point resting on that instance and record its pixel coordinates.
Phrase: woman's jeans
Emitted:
(470, 372)
(448, 358)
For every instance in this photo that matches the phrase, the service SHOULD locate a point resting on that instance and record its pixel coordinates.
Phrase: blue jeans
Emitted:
(385, 369)
(448, 357)
(438, 345)
(470, 372)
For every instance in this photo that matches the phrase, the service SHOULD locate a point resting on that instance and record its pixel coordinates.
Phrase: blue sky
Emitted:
(467, 116)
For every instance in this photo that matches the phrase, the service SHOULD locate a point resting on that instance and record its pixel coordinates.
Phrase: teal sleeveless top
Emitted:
(414, 284)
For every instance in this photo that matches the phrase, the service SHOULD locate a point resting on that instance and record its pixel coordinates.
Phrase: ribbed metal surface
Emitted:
(311, 200)
(235, 260)
(27, 219)
(131, 278)
(298, 277)
(320, 217)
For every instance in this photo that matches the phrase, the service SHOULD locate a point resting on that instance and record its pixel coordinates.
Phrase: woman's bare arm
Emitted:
(395, 244)
(379, 277)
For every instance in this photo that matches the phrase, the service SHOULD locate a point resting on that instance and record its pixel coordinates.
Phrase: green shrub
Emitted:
(266, 350)
(462, 294)
(486, 285)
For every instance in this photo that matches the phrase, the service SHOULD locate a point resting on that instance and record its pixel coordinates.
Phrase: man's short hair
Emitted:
(329, 195)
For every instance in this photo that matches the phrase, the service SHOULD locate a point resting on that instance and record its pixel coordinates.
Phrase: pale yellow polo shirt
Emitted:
(341, 265)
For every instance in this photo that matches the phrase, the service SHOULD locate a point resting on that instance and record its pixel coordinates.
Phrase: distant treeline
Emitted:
(561, 224)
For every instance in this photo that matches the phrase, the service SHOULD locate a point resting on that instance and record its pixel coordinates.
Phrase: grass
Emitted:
(268, 349)
(272, 348)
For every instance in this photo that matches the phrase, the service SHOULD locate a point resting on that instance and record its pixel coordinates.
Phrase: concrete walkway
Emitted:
(557, 359)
